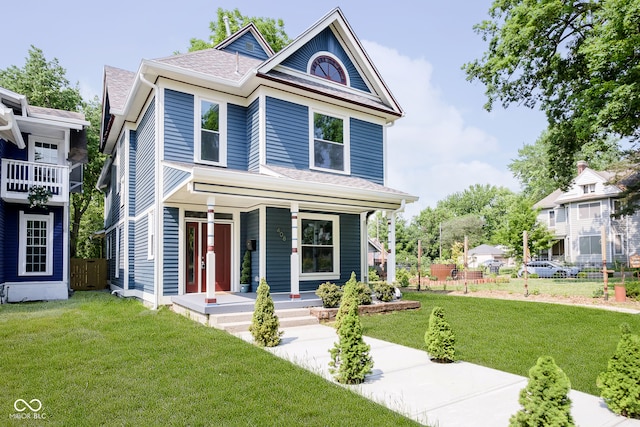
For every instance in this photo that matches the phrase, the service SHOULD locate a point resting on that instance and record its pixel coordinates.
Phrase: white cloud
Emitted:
(431, 152)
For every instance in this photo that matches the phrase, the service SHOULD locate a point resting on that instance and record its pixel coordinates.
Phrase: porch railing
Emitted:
(19, 176)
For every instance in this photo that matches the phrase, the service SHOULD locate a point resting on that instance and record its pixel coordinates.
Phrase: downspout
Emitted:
(156, 207)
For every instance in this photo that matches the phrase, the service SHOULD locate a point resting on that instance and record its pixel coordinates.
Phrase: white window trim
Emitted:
(151, 235)
(37, 138)
(552, 218)
(335, 58)
(222, 125)
(598, 213)
(346, 141)
(335, 274)
(598, 246)
(22, 246)
(618, 237)
(117, 269)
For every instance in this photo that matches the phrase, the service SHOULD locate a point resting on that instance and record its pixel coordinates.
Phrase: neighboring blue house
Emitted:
(40, 149)
(235, 148)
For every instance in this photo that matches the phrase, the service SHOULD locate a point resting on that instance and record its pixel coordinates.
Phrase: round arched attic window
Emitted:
(328, 68)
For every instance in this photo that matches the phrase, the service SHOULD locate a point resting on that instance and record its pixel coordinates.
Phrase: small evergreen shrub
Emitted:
(349, 298)
(245, 272)
(373, 275)
(363, 293)
(620, 384)
(439, 338)
(598, 292)
(265, 324)
(633, 290)
(384, 291)
(544, 400)
(330, 294)
(402, 277)
(350, 359)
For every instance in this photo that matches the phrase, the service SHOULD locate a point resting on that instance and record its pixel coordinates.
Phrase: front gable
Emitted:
(248, 42)
(326, 44)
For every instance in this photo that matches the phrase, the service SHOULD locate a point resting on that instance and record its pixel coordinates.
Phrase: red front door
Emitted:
(196, 257)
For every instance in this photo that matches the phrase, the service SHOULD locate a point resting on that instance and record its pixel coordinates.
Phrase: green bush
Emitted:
(508, 270)
(502, 279)
(582, 275)
(330, 294)
(363, 293)
(533, 276)
(439, 337)
(265, 324)
(349, 298)
(633, 290)
(373, 275)
(402, 277)
(245, 272)
(384, 291)
(598, 292)
(620, 383)
(350, 358)
(544, 400)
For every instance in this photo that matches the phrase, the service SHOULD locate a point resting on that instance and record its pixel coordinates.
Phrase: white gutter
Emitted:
(156, 258)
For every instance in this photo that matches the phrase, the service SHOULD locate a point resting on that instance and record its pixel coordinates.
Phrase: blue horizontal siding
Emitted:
(132, 172)
(287, 134)
(253, 135)
(170, 247)
(145, 160)
(325, 42)
(367, 152)
(178, 126)
(172, 178)
(279, 249)
(247, 45)
(144, 277)
(237, 137)
(253, 233)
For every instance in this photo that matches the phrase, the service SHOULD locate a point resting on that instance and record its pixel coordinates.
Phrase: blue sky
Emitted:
(446, 141)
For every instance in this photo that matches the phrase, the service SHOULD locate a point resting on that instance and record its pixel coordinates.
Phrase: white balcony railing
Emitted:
(19, 176)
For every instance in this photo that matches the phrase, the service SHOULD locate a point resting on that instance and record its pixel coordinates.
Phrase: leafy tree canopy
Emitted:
(271, 29)
(576, 60)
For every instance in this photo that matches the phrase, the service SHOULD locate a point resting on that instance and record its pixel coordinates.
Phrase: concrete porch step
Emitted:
(240, 322)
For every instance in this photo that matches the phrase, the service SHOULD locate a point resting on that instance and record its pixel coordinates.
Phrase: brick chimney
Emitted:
(582, 165)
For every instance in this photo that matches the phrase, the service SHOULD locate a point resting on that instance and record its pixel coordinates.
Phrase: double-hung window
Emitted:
(589, 210)
(329, 148)
(590, 245)
(36, 245)
(211, 139)
(319, 246)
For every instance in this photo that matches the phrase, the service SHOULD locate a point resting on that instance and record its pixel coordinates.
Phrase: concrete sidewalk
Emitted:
(444, 395)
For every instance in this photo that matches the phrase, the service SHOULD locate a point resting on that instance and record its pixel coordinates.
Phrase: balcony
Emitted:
(19, 176)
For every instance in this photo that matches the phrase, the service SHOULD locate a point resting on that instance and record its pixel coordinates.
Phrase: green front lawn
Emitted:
(100, 360)
(511, 335)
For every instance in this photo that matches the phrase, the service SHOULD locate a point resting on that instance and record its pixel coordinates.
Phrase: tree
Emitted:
(521, 216)
(544, 400)
(350, 359)
(534, 166)
(265, 324)
(272, 30)
(439, 337)
(576, 60)
(44, 83)
(620, 383)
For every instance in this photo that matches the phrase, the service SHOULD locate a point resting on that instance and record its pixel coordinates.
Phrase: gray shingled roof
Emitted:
(333, 179)
(118, 83)
(42, 111)
(213, 62)
(329, 90)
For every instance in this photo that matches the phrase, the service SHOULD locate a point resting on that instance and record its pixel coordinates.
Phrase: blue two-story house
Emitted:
(42, 151)
(237, 148)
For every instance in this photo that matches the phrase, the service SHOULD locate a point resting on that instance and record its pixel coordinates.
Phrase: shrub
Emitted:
(632, 290)
(330, 293)
(265, 324)
(402, 277)
(373, 275)
(245, 272)
(502, 279)
(363, 293)
(544, 400)
(350, 358)
(384, 291)
(620, 383)
(582, 275)
(439, 337)
(349, 298)
(598, 292)
(533, 276)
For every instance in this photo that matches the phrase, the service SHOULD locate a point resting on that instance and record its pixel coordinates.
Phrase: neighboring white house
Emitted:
(576, 217)
(485, 252)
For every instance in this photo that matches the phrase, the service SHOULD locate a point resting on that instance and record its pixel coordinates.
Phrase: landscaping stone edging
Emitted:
(379, 307)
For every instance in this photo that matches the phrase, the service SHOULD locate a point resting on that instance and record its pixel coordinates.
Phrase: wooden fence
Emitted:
(88, 274)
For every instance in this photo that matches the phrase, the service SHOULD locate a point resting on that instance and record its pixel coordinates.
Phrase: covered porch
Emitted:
(228, 302)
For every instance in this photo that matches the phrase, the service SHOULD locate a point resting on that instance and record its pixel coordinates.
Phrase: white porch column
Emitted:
(210, 297)
(295, 257)
(391, 257)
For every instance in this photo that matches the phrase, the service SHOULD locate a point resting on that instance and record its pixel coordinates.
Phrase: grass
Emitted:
(555, 287)
(100, 360)
(511, 335)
